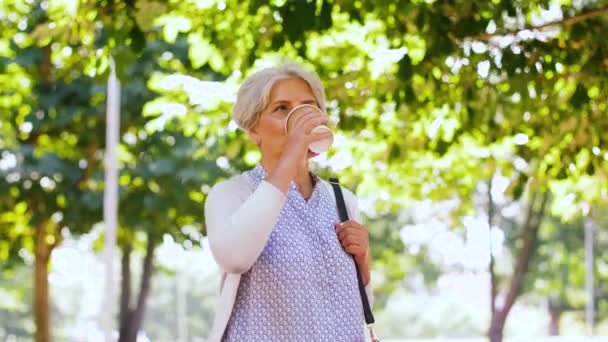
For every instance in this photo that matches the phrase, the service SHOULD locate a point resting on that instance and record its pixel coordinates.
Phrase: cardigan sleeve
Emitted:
(239, 223)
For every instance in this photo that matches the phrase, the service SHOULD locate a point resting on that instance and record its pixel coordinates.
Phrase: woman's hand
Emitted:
(300, 136)
(355, 240)
(295, 152)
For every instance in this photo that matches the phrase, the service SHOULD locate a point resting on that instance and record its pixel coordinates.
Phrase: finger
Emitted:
(319, 136)
(355, 239)
(354, 250)
(316, 116)
(352, 239)
(312, 123)
(349, 224)
(302, 118)
(340, 227)
(346, 232)
(299, 122)
(355, 229)
(342, 234)
(352, 223)
(303, 121)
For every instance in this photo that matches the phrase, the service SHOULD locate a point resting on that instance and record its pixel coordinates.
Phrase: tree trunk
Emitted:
(136, 317)
(42, 315)
(493, 287)
(182, 307)
(497, 327)
(555, 315)
(125, 289)
(530, 234)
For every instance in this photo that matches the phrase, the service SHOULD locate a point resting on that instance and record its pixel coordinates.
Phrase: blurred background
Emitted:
(474, 132)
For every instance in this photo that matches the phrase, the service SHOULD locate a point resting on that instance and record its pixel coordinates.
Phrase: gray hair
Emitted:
(254, 93)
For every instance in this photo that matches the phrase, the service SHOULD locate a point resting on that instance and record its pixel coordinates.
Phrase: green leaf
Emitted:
(173, 25)
(200, 51)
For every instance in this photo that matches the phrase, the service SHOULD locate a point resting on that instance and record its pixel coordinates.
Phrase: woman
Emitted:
(287, 262)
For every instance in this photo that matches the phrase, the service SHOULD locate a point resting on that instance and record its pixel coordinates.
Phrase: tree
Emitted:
(48, 114)
(430, 99)
(53, 115)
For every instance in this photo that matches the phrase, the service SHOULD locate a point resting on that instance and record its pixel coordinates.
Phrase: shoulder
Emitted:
(234, 187)
(349, 197)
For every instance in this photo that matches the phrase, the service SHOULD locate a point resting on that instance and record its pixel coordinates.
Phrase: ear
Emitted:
(254, 136)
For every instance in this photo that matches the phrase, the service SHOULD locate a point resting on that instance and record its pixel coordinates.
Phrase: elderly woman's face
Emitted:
(285, 95)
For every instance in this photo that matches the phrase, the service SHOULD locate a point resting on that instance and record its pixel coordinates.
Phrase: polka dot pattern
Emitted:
(303, 287)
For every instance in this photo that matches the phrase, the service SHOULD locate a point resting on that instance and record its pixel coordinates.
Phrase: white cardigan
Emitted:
(239, 224)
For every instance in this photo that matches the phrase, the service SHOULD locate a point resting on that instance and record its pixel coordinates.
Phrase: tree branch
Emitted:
(530, 235)
(565, 22)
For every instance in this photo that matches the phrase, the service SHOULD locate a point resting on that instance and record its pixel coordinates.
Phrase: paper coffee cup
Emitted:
(317, 146)
(321, 145)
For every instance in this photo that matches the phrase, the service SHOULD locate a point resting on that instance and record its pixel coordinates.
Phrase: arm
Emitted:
(238, 226)
(238, 223)
(364, 263)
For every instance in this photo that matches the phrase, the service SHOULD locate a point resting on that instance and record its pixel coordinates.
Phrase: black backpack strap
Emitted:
(335, 183)
(367, 311)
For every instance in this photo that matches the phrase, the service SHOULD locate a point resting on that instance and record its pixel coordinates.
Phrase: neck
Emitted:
(302, 177)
